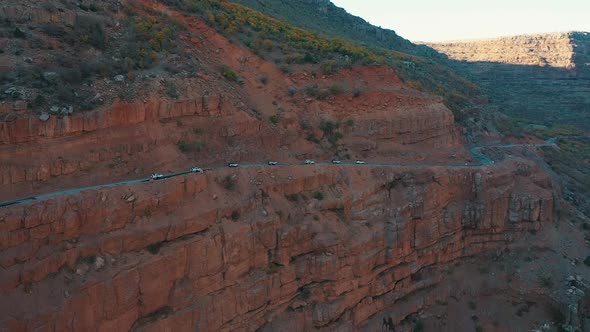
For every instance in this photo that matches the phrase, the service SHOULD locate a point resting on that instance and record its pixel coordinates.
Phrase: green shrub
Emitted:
(71, 75)
(171, 90)
(154, 248)
(418, 326)
(90, 30)
(546, 281)
(328, 67)
(293, 197)
(312, 138)
(330, 130)
(88, 259)
(312, 91)
(318, 195)
(53, 30)
(335, 90)
(274, 119)
(183, 146)
(285, 68)
(18, 33)
(229, 73)
(229, 183)
(235, 215)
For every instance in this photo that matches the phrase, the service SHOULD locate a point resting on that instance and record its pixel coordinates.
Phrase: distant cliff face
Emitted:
(540, 77)
(554, 50)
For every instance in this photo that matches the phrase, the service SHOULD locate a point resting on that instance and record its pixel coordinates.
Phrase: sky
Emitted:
(440, 20)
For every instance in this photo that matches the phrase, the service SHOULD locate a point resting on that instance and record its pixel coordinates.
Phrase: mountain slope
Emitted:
(333, 38)
(322, 16)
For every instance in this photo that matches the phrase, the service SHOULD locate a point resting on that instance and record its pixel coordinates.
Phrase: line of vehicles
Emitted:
(156, 176)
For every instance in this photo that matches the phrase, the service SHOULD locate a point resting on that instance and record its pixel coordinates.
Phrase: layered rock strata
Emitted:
(293, 248)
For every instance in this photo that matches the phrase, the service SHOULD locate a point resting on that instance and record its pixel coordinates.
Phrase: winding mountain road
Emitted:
(474, 150)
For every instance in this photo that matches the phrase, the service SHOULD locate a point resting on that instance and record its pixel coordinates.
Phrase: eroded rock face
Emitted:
(194, 253)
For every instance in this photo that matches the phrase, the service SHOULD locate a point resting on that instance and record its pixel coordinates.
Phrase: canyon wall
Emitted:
(541, 77)
(293, 248)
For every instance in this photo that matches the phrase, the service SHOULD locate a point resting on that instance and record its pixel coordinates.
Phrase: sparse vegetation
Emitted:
(425, 68)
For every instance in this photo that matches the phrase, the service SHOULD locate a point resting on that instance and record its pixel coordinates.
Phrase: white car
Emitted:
(233, 165)
(273, 163)
(359, 162)
(156, 176)
(196, 170)
(336, 162)
(309, 162)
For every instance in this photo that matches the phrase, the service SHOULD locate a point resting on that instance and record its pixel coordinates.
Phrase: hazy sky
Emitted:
(437, 20)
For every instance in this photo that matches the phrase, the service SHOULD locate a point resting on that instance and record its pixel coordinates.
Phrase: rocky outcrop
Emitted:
(29, 128)
(255, 249)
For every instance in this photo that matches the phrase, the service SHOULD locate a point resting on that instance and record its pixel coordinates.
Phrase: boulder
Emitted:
(44, 117)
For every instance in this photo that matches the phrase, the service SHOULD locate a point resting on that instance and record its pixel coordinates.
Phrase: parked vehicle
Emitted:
(359, 162)
(309, 162)
(196, 170)
(233, 165)
(334, 161)
(156, 176)
(273, 163)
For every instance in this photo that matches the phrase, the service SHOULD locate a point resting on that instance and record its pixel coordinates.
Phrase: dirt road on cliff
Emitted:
(475, 151)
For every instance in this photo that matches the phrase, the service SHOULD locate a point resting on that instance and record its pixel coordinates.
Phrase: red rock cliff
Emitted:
(291, 249)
